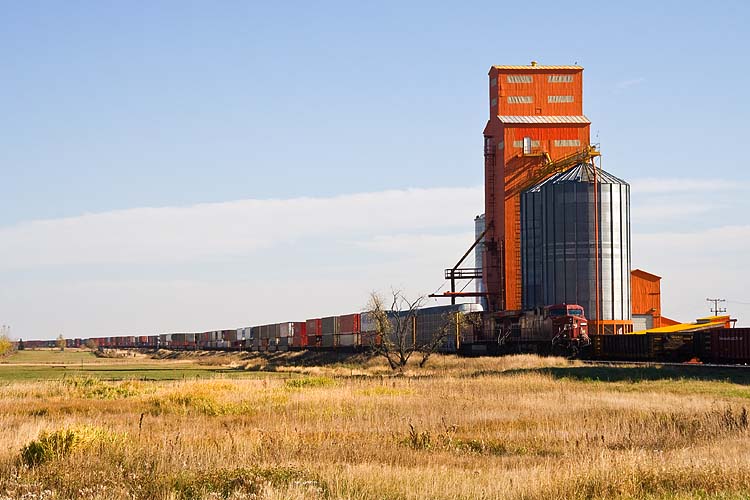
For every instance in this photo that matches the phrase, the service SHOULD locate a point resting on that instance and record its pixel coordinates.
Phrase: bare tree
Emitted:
(394, 326)
(60, 342)
(396, 329)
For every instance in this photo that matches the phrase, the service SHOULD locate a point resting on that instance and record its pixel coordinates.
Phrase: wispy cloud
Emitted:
(629, 83)
(655, 185)
(228, 264)
(661, 211)
(233, 228)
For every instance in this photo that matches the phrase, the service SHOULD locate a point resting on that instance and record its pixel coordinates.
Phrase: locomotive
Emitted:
(560, 329)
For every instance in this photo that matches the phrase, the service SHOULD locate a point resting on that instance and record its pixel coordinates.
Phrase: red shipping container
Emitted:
(313, 327)
(299, 334)
(349, 323)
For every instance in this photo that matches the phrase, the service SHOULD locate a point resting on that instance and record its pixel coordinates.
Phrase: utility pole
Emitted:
(716, 310)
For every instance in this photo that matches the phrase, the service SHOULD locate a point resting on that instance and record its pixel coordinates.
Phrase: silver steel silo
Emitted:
(479, 226)
(566, 244)
(531, 248)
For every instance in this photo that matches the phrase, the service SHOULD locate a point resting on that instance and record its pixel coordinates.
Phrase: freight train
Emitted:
(559, 329)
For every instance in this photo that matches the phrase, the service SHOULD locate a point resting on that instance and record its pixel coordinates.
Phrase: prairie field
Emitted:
(294, 426)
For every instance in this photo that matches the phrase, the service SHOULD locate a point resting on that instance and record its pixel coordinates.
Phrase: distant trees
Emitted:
(6, 346)
(91, 344)
(60, 342)
(394, 320)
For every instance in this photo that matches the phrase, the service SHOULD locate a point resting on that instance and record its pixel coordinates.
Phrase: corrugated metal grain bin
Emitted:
(349, 323)
(559, 237)
(730, 345)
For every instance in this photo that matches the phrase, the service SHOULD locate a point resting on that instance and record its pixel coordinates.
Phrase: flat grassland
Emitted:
(299, 426)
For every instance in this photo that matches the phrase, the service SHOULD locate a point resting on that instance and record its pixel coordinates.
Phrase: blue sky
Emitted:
(109, 107)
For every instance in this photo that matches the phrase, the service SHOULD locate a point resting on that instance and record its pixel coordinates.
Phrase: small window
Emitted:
(519, 79)
(527, 145)
(520, 99)
(560, 78)
(559, 98)
(493, 102)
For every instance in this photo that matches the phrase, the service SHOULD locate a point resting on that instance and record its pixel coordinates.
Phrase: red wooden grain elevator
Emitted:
(534, 110)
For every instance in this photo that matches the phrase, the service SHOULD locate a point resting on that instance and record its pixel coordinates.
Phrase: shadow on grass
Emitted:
(274, 360)
(738, 375)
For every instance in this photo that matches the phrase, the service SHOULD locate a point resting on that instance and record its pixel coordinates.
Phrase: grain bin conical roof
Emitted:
(583, 172)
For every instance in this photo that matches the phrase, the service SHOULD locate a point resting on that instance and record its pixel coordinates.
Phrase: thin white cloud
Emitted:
(232, 228)
(667, 211)
(228, 264)
(629, 83)
(655, 185)
(412, 243)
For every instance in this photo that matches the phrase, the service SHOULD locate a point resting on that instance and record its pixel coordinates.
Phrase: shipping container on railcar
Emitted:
(299, 335)
(256, 340)
(349, 330)
(443, 322)
(313, 328)
(329, 329)
(368, 335)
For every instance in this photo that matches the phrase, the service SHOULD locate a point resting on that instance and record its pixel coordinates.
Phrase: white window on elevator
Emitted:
(520, 99)
(527, 145)
(519, 79)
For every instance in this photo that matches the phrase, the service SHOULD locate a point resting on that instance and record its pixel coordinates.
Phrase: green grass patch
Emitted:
(309, 382)
(94, 388)
(126, 371)
(52, 356)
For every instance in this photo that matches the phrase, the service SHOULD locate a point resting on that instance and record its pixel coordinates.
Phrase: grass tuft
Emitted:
(59, 444)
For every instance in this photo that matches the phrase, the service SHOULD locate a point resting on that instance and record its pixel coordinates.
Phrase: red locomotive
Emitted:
(559, 329)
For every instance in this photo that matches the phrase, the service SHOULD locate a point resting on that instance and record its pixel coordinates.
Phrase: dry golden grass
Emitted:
(518, 427)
